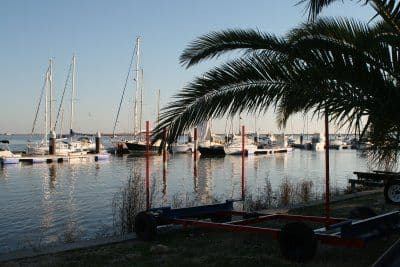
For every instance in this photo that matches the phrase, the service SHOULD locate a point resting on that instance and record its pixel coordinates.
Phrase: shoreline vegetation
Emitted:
(200, 247)
(130, 199)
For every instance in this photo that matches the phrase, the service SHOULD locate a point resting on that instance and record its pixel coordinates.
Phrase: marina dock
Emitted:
(33, 159)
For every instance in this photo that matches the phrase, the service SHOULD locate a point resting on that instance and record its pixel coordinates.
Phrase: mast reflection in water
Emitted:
(47, 203)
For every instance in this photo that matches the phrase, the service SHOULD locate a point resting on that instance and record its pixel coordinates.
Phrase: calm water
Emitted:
(40, 203)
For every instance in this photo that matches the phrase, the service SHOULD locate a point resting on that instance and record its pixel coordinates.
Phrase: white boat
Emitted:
(183, 145)
(263, 140)
(78, 142)
(336, 144)
(235, 147)
(6, 156)
(182, 148)
(62, 148)
(82, 144)
(42, 148)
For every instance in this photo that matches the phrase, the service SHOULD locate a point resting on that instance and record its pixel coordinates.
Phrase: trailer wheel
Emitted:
(392, 192)
(361, 212)
(145, 226)
(297, 242)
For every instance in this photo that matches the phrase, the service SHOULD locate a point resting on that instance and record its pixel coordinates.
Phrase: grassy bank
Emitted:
(199, 247)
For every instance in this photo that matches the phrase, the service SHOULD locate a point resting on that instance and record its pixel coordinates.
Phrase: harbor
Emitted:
(204, 137)
(76, 196)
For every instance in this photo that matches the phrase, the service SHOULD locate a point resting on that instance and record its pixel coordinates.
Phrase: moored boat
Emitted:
(6, 156)
(209, 149)
(235, 147)
(139, 146)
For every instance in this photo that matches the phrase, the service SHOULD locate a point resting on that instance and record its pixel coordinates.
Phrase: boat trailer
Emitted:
(297, 240)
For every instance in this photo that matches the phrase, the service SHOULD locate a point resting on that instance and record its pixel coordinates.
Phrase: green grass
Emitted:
(199, 247)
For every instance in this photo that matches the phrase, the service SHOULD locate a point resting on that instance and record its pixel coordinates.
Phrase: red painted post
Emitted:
(165, 159)
(195, 144)
(243, 154)
(147, 165)
(195, 153)
(327, 188)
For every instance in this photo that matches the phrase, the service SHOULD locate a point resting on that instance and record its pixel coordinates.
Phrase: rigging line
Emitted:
(62, 97)
(40, 101)
(124, 89)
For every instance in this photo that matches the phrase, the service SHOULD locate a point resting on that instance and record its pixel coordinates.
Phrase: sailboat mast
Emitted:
(72, 95)
(141, 103)
(51, 94)
(135, 112)
(61, 124)
(46, 106)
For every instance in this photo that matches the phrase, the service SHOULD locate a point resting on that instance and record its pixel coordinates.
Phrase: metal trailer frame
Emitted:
(297, 240)
(338, 231)
(389, 180)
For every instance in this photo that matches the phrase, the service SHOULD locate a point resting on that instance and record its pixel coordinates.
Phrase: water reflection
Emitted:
(47, 199)
(52, 176)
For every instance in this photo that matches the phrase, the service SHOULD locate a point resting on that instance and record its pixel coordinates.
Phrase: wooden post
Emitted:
(52, 143)
(243, 155)
(98, 136)
(327, 185)
(147, 165)
(165, 155)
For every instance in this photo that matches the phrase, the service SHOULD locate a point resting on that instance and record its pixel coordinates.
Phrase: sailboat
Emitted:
(42, 148)
(209, 145)
(183, 144)
(82, 143)
(235, 146)
(138, 143)
(63, 146)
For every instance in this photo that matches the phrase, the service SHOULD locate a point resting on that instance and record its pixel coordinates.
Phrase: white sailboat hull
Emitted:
(236, 149)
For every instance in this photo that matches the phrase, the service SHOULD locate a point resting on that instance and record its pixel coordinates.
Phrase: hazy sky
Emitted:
(102, 35)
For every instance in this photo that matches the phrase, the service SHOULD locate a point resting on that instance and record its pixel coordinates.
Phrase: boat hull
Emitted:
(9, 160)
(182, 148)
(138, 148)
(211, 151)
(237, 149)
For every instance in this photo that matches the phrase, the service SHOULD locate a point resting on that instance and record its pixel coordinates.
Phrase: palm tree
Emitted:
(388, 10)
(342, 67)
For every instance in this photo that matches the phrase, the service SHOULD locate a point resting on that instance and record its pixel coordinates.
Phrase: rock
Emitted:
(159, 249)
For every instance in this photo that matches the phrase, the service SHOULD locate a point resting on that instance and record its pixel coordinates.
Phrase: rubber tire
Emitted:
(145, 226)
(297, 242)
(362, 212)
(387, 192)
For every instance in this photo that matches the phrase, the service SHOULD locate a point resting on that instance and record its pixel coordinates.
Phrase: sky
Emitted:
(102, 35)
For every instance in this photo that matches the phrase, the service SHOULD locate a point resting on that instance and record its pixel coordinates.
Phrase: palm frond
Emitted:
(215, 44)
(389, 10)
(314, 7)
(344, 66)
